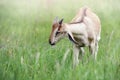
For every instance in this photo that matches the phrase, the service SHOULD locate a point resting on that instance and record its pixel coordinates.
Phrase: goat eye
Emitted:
(57, 33)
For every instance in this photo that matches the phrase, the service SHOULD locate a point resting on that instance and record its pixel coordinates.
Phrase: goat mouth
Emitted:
(52, 44)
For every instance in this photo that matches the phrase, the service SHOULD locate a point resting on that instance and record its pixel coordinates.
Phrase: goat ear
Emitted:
(60, 22)
(56, 20)
(71, 38)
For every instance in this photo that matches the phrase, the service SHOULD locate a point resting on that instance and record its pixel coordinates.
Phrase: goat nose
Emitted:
(51, 43)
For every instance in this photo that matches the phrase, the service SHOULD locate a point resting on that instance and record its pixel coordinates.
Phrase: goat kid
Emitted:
(84, 30)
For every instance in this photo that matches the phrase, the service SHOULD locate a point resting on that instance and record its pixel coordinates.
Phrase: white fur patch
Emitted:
(77, 28)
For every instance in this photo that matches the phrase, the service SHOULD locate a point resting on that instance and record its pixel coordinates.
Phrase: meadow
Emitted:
(25, 53)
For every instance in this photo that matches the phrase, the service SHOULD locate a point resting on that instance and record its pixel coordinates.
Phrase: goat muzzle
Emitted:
(51, 43)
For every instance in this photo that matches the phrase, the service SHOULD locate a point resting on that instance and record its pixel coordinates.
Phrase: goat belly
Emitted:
(70, 38)
(79, 42)
(82, 42)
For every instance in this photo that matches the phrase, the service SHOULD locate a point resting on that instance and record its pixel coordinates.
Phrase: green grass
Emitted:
(25, 53)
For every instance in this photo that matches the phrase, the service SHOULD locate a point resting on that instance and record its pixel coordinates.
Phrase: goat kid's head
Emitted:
(56, 34)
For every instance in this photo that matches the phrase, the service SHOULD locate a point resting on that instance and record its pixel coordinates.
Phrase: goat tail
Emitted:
(80, 15)
(84, 9)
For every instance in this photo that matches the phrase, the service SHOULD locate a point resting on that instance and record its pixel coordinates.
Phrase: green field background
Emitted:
(25, 53)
